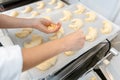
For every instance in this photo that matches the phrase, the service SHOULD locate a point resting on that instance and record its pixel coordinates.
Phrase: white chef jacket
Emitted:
(11, 63)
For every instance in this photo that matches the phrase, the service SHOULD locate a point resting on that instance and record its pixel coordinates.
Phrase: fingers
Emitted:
(58, 26)
(46, 22)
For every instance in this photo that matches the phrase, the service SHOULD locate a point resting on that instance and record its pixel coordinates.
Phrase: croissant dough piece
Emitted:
(107, 27)
(52, 27)
(41, 5)
(24, 33)
(80, 9)
(48, 10)
(67, 15)
(92, 34)
(69, 53)
(36, 40)
(93, 78)
(76, 24)
(60, 33)
(60, 4)
(52, 2)
(34, 13)
(91, 16)
(27, 9)
(47, 17)
(47, 64)
(14, 14)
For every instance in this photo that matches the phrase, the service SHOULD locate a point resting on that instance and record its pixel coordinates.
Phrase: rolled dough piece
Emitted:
(27, 9)
(80, 9)
(67, 15)
(52, 2)
(14, 14)
(60, 4)
(69, 53)
(41, 5)
(91, 16)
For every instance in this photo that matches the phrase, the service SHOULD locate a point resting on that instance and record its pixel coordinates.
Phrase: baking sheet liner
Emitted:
(63, 59)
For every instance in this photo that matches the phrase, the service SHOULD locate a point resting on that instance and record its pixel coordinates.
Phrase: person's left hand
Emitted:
(42, 25)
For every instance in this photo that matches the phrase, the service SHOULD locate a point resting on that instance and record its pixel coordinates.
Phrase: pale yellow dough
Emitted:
(27, 9)
(24, 33)
(34, 13)
(60, 33)
(52, 2)
(76, 24)
(107, 27)
(69, 53)
(91, 16)
(67, 15)
(14, 14)
(92, 34)
(36, 40)
(48, 10)
(60, 4)
(52, 27)
(47, 64)
(80, 9)
(93, 78)
(53, 37)
(41, 5)
(47, 17)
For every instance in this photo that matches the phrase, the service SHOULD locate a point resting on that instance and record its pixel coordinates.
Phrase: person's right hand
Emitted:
(73, 41)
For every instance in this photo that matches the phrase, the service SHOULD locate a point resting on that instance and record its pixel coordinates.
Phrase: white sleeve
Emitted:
(11, 63)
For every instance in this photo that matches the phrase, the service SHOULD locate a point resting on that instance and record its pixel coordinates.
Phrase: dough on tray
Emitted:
(14, 14)
(67, 15)
(91, 16)
(76, 24)
(36, 40)
(92, 34)
(27, 9)
(80, 9)
(53, 37)
(47, 17)
(60, 33)
(24, 32)
(34, 13)
(47, 64)
(93, 78)
(60, 4)
(41, 5)
(52, 2)
(69, 53)
(48, 10)
(107, 27)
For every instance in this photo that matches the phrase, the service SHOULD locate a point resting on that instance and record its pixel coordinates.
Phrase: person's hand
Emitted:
(73, 41)
(42, 25)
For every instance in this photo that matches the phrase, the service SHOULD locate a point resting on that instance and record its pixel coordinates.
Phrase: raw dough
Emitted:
(92, 34)
(14, 14)
(69, 53)
(48, 10)
(60, 4)
(67, 15)
(27, 9)
(107, 27)
(36, 40)
(93, 78)
(52, 2)
(76, 24)
(91, 16)
(34, 13)
(47, 64)
(52, 27)
(41, 5)
(80, 9)
(53, 37)
(24, 33)
(47, 17)
(60, 33)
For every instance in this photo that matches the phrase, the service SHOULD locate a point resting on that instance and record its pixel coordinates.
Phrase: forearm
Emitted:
(36, 55)
(11, 22)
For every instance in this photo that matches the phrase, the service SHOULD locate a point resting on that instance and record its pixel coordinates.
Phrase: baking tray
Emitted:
(34, 7)
(62, 59)
(89, 75)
